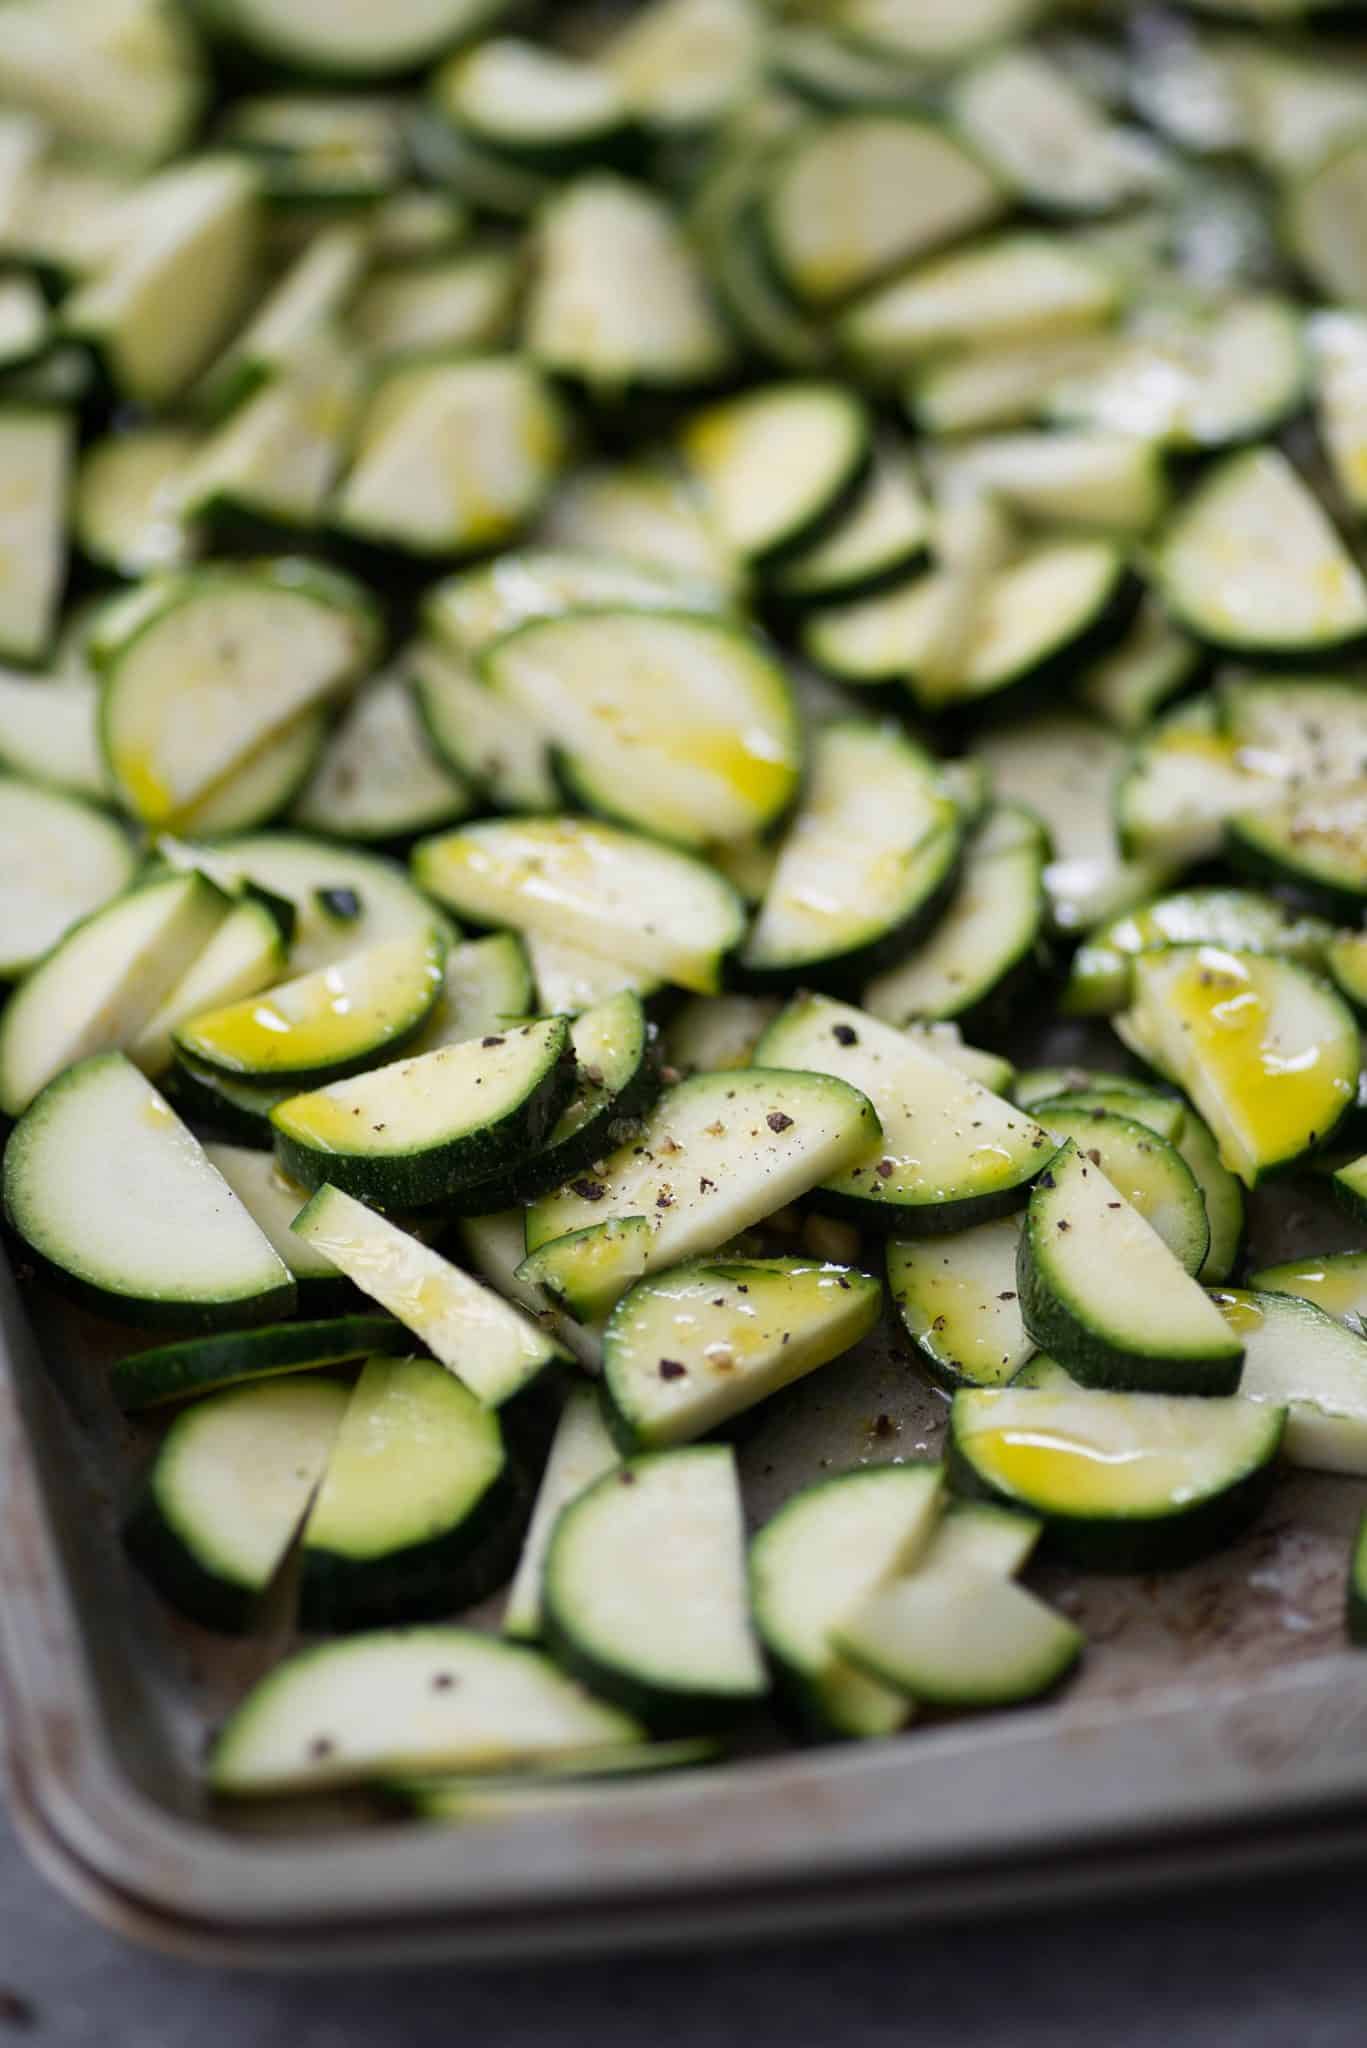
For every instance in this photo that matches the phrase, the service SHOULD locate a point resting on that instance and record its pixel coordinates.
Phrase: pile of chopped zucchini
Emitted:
(615, 622)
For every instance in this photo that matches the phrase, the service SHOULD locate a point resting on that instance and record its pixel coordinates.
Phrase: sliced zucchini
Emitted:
(1122, 1482)
(933, 32)
(484, 180)
(295, 315)
(273, 1201)
(109, 1188)
(60, 860)
(203, 1365)
(100, 985)
(487, 983)
(1099, 979)
(1350, 1184)
(951, 1154)
(344, 901)
(269, 469)
(1005, 384)
(1013, 288)
(717, 1154)
(407, 1136)
(1322, 208)
(1153, 663)
(581, 1452)
(822, 65)
(644, 1592)
(246, 954)
(489, 1345)
(452, 455)
(1049, 141)
(379, 777)
(618, 301)
(820, 1557)
(609, 891)
(952, 1636)
(688, 1349)
(1195, 380)
(316, 149)
(974, 539)
(537, 105)
(774, 328)
(684, 65)
(1142, 1164)
(713, 1033)
(36, 454)
(219, 665)
(572, 1782)
(672, 722)
(1085, 478)
(776, 465)
(49, 732)
(1338, 351)
(323, 1025)
(1252, 564)
(990, 927)
(1317, 838)
(1102, 1292)
(479, 735)
(1295, 104)
(418, 1512)
(408, 1700)
(568, 979)
(125, 515)
(959, 1303)
(124, 77)
(1335, 1282)
(866, 864)
(643, 510)
(178, 275)
(240, 1110)
(985, 1538)
(496, 1246)
(1298, 1358)
(1058, 604)
(992, 1070)
(1062, 766)
(583, 1273)
(861, 195)
(1185, 780)
(1268, 1053)
(467, 613)
(227, 1491)
(463, 301)
(882, 538)
(353, 43)
(1346, 958)
(617, 1078)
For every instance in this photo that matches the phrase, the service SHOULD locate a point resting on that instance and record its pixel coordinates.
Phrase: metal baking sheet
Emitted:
(1219, 1722)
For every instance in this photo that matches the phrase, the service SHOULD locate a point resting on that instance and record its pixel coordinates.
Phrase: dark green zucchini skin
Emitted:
(162, 1557)
(175, 1372)
(422, 1581)
(531, 1178)
(665, 1713)
(1099, 1543)
(430, 1178)
(845, 972)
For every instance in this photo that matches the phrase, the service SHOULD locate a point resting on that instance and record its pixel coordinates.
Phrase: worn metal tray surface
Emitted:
(1219, 1722)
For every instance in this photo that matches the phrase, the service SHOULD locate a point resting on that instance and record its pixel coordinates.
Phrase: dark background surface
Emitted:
(1277, 1966)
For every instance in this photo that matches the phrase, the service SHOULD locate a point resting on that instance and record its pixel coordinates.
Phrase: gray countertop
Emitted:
(1260, 1968)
